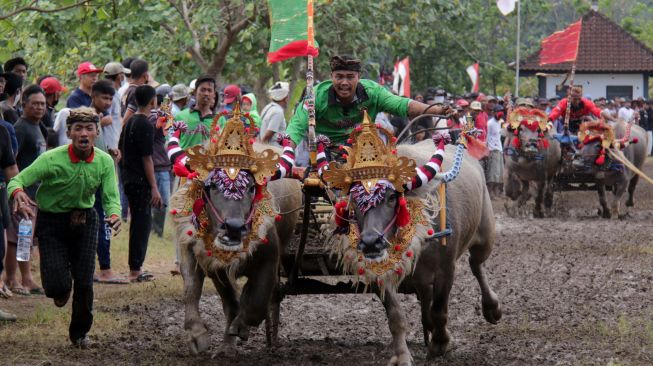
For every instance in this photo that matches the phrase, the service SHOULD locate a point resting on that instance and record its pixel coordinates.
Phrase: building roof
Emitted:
(604, 47)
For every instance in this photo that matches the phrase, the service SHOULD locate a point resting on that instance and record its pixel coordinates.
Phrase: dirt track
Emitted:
(575, 289)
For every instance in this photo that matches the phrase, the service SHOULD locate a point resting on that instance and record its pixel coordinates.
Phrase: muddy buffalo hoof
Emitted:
(241, 331)
(605, 213)
(630, 203)
(438, 349)
(538, 214)
(402, 360)
(198, 340)
(492, 313)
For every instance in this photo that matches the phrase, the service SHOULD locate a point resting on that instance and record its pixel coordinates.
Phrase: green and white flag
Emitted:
(292, 29)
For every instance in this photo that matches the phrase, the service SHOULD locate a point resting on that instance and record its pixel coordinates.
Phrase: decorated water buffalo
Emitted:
(391, 226)
(611, 153)
(230, 222)
(531, 155)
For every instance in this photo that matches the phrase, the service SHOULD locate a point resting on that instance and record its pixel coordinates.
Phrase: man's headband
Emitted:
(344, 63)
(82, 115)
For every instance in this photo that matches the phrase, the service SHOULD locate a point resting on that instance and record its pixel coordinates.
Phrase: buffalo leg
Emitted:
(631, 190)
(548, 195)
(605, 211)
(440, 308)
(618, 189)
(398, 327)
(537, 210)
(257, 292)
(198, 337)
(489, 300)
(425, 294)
(229, 297)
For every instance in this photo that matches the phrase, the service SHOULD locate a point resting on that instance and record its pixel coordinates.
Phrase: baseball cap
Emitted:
(51, 85)
(179, 91)
(231, 92)
(87, 68)
(115, 68)
(462, 103)
(475, 106)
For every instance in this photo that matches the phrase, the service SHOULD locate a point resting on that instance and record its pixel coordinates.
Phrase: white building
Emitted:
(611, 63)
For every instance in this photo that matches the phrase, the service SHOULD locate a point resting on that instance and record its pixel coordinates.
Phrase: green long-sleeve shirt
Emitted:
(68, 183)
(336, 120)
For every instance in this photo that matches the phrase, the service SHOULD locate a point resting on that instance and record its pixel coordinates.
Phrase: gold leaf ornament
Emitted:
(370, 159)
(230, 148)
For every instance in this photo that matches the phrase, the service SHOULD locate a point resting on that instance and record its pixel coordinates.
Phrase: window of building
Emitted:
(615, 91)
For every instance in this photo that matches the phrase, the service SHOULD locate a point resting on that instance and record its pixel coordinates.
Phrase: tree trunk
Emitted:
(296, 74)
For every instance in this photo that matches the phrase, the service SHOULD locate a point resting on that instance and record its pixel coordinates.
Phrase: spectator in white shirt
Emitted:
(273, 120)
(625, 112)
(493, 164)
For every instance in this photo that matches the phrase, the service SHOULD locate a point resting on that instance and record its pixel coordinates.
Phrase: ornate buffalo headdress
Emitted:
(533, 119)
(232, 151)
(369, 160)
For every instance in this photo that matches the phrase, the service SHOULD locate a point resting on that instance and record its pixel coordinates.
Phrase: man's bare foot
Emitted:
(107, 276)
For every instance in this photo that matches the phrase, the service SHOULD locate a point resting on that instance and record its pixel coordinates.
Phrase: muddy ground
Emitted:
(575, 290)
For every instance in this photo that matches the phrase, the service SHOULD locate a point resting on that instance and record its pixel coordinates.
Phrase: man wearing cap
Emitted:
(67, 224)
(339, 103)
(580, 108)
(479, 117)
(273, 120)
(81, 96)
(232, 94)
(53, 89)
(180, 94)
(116, 74)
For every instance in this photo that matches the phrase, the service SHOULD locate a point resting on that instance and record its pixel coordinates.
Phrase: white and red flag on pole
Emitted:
(401, 84)
(561, 46)
(472, 71)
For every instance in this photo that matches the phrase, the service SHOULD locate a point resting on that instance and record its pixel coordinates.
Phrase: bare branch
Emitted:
(220, 55)
(32, 7)
(196, 48)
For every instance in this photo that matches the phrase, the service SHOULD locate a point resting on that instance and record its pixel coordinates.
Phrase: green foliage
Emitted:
(441, 37)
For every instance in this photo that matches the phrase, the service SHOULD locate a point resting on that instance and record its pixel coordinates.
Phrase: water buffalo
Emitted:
(593, 157)
(532, 155)
(230, 209)
(471, 218)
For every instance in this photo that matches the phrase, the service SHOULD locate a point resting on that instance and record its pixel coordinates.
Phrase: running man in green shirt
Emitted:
(66, 223)
(339, 103)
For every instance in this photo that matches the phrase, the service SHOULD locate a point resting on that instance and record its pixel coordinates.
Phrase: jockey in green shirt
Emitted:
(339, 103)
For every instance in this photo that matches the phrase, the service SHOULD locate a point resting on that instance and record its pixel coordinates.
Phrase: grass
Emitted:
(41, 325)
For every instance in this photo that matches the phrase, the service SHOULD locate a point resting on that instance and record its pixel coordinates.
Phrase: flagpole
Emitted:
(312, 148)
(571, 85)
(518, 43)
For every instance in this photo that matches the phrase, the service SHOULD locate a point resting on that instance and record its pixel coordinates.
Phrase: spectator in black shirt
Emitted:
(137, 173)
(139, 76)
(31, 135)
(8, 110)
(9, 170)
(18, 66)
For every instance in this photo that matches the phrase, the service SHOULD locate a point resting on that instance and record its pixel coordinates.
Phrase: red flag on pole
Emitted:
(561, 46)
(472, 71)
(401, 84)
